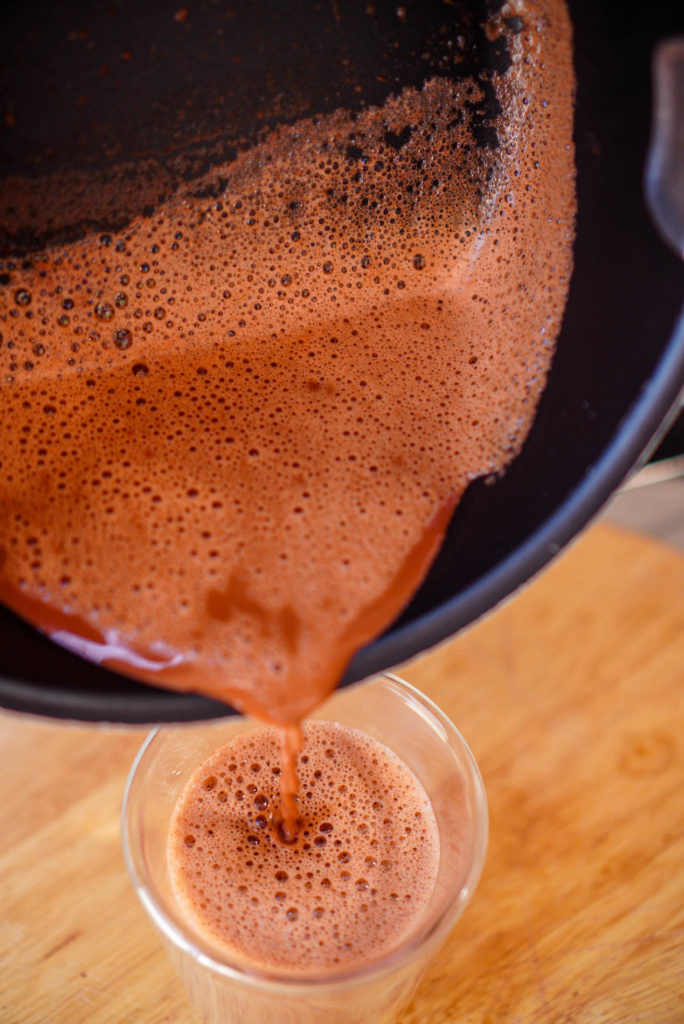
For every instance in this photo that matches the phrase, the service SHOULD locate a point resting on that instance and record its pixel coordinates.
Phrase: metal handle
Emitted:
(664, 176)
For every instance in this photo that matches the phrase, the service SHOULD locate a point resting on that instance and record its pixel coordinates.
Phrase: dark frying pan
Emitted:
(88, 86)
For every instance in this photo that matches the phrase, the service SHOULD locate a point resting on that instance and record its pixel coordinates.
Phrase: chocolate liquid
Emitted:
(233, 433)
(355, 884)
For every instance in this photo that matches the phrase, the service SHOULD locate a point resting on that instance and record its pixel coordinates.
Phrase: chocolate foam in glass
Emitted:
(234, 432)
(339, 926)
(352, 887)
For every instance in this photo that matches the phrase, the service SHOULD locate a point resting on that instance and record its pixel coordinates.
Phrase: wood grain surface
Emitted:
(571, 698)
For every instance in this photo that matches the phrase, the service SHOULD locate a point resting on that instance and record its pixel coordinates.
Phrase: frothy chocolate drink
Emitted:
(353, 887)
(233, 433)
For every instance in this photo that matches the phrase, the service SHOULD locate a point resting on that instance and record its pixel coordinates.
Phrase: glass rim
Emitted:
(439, 922)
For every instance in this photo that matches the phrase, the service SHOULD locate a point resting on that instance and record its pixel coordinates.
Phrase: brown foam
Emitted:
(233, 434)
(354, 886)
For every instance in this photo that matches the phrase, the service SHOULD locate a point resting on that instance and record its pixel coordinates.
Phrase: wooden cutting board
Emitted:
(572, 699)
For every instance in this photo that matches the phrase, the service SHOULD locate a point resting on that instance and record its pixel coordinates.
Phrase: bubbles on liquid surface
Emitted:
(309, 921)
(248, 415)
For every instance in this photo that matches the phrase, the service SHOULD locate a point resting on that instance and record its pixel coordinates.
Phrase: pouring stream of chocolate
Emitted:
(234, 433)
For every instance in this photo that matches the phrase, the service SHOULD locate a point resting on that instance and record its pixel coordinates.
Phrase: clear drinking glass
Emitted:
(395, 714)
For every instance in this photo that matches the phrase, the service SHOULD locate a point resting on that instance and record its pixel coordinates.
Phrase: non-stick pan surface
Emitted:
(87, 86)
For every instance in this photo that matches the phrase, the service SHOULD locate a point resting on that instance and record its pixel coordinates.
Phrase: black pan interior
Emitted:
(620, 359)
